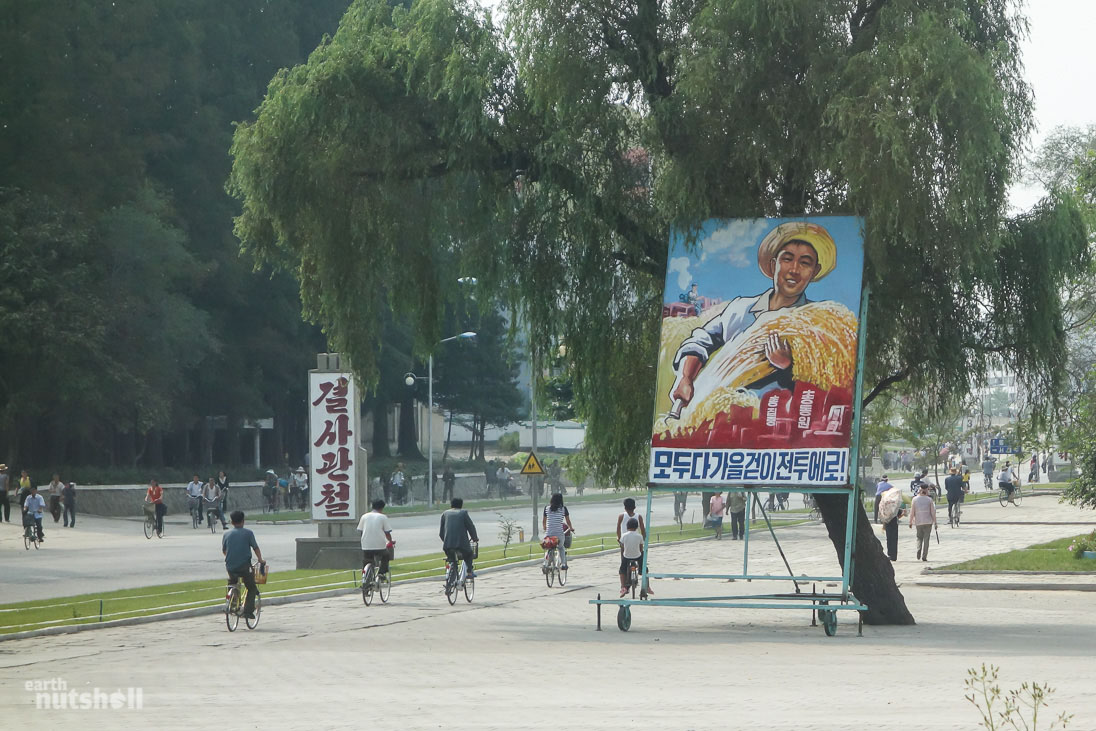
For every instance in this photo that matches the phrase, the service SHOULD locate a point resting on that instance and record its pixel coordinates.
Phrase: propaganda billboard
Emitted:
(333, 403)
(758, 355)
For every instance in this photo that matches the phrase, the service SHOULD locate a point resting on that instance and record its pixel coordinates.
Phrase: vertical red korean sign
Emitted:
(332, 425)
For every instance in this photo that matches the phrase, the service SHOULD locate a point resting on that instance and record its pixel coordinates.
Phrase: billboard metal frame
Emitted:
(823, 605)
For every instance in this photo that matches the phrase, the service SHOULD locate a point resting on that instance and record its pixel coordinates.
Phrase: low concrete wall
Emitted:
(125, 501)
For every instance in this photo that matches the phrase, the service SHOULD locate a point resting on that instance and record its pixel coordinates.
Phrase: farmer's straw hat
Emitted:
(809, 233)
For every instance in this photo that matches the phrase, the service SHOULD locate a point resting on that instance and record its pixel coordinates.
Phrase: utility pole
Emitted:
(532, 478)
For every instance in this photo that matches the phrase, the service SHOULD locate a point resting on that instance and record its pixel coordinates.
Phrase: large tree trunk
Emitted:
(873, 576)
(448, 436)
(407, 440)
(380, 428)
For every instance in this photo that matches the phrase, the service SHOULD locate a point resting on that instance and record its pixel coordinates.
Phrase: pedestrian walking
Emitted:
(881, 487)
(715, 514)
(5, 498)
(736, 508)
(222, 485)
(68, 498)
(890, 511)
(923, 519)
(448, 480)
(55, 488)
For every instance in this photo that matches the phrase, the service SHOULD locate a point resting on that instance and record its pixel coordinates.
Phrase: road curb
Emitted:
(1003, 586)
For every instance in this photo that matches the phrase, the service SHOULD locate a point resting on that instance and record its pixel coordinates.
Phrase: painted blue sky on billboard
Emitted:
(730, 247)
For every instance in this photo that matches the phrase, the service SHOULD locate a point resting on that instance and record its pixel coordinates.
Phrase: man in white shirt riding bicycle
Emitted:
(376, 530)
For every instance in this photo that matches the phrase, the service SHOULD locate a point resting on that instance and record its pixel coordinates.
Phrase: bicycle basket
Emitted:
(549, 543)
(261, 572)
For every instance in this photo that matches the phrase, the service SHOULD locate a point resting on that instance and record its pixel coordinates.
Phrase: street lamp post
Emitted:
(410, 379)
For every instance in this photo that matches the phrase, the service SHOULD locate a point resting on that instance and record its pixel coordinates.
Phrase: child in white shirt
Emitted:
(631, 543)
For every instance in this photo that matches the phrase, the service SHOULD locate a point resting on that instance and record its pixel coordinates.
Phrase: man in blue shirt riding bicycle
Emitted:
(237, 545)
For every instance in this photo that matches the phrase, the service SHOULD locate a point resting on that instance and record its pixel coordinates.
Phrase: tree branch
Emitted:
(885, 384)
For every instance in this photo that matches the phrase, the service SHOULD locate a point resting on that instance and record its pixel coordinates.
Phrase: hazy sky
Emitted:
(1060, 59)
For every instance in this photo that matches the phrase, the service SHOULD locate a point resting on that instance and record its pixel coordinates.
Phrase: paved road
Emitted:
(525, 657)
(103, 554)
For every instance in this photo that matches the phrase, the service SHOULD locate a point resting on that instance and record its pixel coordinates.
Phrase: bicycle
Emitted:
(815, 514)
(1004, 498)
(372, 583)
(954, 512)
(552, 567)
(679, 510)
(30, 536)
(212, 516)
(235, 600)
(457, 578)
(194, 506)
(150, 522)
(987, 481)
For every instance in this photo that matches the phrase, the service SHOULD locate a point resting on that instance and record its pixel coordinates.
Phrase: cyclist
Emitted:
(988, 465)
(455, 531)
(628, 514)
(155, 495)
(554, 519)
(194, 497)
(237, 545)
(1006, 480)
(679, 505)
(212, 499)
(376, 532)
(33, 507)
(955, 488)
(631, 551)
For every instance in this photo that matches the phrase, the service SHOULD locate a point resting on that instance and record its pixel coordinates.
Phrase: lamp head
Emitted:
(409, 379)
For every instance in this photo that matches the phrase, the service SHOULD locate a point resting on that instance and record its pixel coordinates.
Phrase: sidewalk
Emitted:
(523, 656)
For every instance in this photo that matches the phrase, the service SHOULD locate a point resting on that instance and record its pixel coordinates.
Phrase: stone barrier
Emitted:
(127, 501)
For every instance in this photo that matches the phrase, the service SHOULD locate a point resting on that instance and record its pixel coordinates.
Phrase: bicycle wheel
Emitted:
(624, 619)
(194, 519)
(385, 585)
(27, 540)
(253, 622)
(1002, 497)
(163, 527)
(1017, 495)
(232, 609)
(451, 586)
(367, 585)
(469, 589)
(561, 572)
(549, 568)
(150, 527)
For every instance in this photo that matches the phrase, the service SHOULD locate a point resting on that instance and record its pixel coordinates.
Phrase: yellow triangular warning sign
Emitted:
(532, 466)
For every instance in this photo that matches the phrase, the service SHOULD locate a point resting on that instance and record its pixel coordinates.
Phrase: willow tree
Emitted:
(554, 154)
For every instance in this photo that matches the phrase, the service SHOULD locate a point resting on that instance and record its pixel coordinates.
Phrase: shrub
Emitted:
(1082, 544)
(509, 442)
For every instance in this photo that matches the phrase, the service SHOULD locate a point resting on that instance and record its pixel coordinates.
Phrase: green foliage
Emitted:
(1082, 544)
(509, 442)
(552, 157)
(508, 531)
(135, 316)
(1016, 709)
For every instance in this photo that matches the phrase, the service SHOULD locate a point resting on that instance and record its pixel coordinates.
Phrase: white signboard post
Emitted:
(333, 428)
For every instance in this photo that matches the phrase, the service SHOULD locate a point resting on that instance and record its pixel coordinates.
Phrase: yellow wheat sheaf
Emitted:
(822, 338)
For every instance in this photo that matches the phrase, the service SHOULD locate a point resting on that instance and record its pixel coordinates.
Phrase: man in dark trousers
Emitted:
(455, 531)
(448, 479)
(237, 545)
(955, 488)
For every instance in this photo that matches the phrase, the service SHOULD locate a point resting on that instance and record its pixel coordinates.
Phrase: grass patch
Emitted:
(1050, 556)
